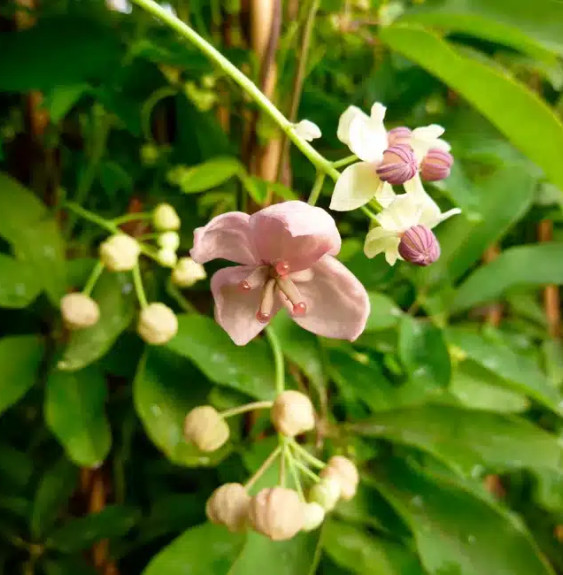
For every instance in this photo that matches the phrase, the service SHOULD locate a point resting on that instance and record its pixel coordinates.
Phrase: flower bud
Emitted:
(149, 154)
(157, 324)
(166, 258)
(277, 512)
(419, 246)
(120, 253)
(165, 218)
(326, 493)
(307, 130)
(345, 472)
(228, 506)
(399, 137)
(436, 165)
(205, 428)
(187, 273)
(79, 311)
(293, 413)
(169, 240)
(314, 515)
(398, 165)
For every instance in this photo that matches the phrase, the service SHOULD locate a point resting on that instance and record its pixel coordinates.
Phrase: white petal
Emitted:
(446, 215)
(307, 130)
(425, 138)
(385, 194)
(401, 215)
(355, 187)
(367, 138)
(379, 241)
(344, 123)
(378, 112)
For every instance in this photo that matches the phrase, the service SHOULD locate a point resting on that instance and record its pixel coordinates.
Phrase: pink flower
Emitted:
(285, 252)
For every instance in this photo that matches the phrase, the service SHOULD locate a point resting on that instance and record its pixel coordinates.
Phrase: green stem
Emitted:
(369, 213)
(247, 407)
(283, 444)
(92, 217)
(317, 187)
(321, 163)
(139, 289)
(278, 359)
(94, 277)
(304, 469)
(294, 474)
(177, 295)
(263, 468)
(131, 218)
(345, 161)
(304, 454)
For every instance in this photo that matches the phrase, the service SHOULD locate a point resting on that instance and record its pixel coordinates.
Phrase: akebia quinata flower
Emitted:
(286, 252)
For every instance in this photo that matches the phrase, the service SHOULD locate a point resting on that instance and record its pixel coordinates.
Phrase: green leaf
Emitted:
(467, 439)
(532, 265)
(61, 99)
(248, 369)
(518, 371)
(79, 534)
(205, 176)
(74, 412)
(423, 351)
(163, 393)
(355, 550)
(68, 566)
(384, 314)
(540, 137)
(203, 550)
(20, 285)
(20, 359)
(114, 295)
(457, 533)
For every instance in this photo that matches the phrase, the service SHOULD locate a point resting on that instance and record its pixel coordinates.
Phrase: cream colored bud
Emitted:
(120, 253)
(187, 273)
(307, 130)
(228, 506)
(169, 240)
(165, 218)
(205, 428)
(314, 516)
(167, 258)
(157, 324)
(345, 472)
(293, 413)
(277, 512)
(326, 493)
(79, 311)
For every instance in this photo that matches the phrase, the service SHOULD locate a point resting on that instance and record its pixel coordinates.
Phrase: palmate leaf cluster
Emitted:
(450, 402)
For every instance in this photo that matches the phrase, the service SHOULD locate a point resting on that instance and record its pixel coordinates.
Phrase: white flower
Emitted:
(120, 253)
(307, 130)
(123, 6)
(407, 210)
(425, 138)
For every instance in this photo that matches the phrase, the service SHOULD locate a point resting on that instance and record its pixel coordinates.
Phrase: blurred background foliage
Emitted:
(451, 400)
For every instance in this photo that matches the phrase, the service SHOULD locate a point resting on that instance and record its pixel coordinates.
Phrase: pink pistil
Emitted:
(244, 286)
(300, 308)
(282, 268)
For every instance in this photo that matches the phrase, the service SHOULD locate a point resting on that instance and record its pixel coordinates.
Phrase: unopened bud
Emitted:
(277, 512)
(205, 428)
(79, 311)
(419, 246)
(187, 272)
(293, 413)
(149, 154)
(436, 165)
(398, 165)
(326, 493)
(165, 218)
(120, 253)
(307, 130)
(399, 137)
(345, 472)
(228, 506)
(157, 324)
(314, 516)
(167, 258)
(169, 240)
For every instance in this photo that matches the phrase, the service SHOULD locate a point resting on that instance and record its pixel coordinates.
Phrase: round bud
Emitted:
(345, 472)
(79, 311)
(326, 493)
(165, 218)
(419, 246)
(157, 324)
(314, 515)
(187, 273)
(277, 512)
(169, 240)
(293, 413)
(149, 154)
(167, 258)
(205, 428)
(398, 165)
(436, 165)
(228, 506)
(120, 253)
(399, 136)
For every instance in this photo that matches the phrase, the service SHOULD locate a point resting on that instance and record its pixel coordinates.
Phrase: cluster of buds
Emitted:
(277, 512)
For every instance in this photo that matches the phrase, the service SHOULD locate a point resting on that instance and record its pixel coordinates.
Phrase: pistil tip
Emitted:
(263, 317)
(300, 308)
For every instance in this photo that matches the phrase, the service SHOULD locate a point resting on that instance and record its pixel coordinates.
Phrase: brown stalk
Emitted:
(551, 297)
(494, 313)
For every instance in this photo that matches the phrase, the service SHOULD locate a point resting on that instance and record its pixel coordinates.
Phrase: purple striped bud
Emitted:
(398, 166)
(436, 165)
(399, 136)
(419, 246)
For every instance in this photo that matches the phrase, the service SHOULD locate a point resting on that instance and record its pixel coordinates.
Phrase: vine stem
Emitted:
(304, 454)
(278, 359)
(94, 277)
(91, 217)
(306, 471)
(247, 407)
(263, 468)
(139, 289)
(321, 163)
(317, 187)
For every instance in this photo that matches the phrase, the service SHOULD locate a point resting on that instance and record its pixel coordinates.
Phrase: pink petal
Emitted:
(337, 303)
(235, 311)
(228, 237)
(294, 232)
